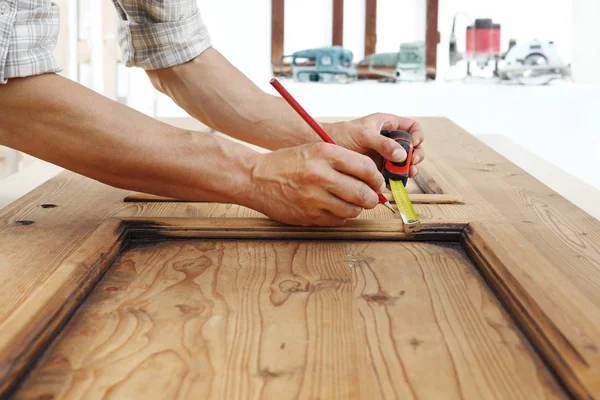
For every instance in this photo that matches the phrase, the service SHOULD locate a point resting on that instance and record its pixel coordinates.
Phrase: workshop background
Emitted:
(531, 124)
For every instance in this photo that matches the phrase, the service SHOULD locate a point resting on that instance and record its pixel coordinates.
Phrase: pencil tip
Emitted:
(388, 205)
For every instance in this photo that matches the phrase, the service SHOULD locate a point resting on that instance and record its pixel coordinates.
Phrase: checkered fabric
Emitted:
(28, 34)
(160, 33)
(152, 34)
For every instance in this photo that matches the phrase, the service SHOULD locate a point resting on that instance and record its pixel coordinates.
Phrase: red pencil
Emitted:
(314, 125)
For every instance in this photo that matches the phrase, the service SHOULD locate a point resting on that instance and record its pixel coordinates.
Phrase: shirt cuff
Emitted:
(155, 45)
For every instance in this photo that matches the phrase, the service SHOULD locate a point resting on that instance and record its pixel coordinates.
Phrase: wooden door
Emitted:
(108, 294)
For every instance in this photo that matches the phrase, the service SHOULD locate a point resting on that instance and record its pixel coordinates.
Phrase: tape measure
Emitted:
(396, 175)
(407, 211)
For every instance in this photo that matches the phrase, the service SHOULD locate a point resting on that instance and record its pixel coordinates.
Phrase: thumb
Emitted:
(388, 148)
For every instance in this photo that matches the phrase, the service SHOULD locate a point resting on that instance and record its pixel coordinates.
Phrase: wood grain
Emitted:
(255, 319)
(569, 341)
(38, 231)
(37, 320)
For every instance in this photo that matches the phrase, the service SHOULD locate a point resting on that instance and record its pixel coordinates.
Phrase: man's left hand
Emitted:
(363, 135)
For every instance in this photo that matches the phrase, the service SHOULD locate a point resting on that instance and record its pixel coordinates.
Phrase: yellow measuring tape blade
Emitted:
(407, 211)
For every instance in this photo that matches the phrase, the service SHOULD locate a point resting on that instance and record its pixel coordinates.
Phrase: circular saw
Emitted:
(533, 63)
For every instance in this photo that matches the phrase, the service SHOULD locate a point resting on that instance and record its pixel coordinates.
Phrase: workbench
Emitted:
(110, 294)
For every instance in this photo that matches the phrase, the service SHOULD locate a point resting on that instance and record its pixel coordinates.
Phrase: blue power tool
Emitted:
(325, 64)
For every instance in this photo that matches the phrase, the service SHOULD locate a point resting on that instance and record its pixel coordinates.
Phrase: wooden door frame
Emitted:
(42, 316)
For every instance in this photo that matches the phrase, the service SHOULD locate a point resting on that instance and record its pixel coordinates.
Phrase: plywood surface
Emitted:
(555, 271)
(270, 319)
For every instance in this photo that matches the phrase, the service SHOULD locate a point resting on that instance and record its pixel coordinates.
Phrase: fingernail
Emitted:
(416, 159)
(399, 155)
(382, 188)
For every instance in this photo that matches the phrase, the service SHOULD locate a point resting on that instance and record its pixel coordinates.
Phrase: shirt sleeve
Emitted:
(160, 33)
(28, 35)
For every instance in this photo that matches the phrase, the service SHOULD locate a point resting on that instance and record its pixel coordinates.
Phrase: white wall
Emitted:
(241, 30)
(586, 41)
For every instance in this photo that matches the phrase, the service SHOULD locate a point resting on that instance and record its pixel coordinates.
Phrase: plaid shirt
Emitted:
(152, 34)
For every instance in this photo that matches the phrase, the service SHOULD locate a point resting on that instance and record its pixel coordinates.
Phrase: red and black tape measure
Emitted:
(398, 171)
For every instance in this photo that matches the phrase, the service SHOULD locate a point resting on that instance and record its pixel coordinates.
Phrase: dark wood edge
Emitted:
(561, 355)
(61, 295)
(416, 198)
(267, 229)
(95, 256)
(427, 183)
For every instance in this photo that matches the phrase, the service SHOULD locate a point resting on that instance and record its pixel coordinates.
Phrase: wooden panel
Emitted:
(370, 26)
(570, 341)
(31, 327)
(249, 319)
(277, 30)
(35, 322)
(337, 25)
(432, 38)
(38, 231)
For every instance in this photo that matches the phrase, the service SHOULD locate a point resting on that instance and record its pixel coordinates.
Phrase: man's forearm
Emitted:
(64, 123)
(215, 92)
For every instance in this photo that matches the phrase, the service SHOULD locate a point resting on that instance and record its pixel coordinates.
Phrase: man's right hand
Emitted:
(314, 184)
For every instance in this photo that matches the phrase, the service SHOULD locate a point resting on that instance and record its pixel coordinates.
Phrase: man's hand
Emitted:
(363, 136)
(314, 184)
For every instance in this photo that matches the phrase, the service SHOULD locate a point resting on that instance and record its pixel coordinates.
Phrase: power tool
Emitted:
(482, 45)
(533, 63)
(409, 63)
(325, 64)
(396, 175)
